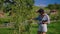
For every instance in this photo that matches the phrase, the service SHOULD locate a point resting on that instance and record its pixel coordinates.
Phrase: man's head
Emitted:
(41, 11)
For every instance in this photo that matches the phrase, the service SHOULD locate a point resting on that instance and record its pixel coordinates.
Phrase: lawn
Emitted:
(53, 28)
(6, 31)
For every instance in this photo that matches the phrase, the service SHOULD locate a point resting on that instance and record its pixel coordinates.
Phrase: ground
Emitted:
(53, 28)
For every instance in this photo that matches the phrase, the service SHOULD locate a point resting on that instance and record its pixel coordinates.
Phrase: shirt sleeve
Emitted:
(48, 18)
(37, 18)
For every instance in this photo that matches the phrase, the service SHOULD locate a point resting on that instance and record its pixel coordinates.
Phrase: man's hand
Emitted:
(44, 22)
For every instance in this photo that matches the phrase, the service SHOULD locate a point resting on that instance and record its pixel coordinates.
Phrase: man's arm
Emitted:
(46, 21)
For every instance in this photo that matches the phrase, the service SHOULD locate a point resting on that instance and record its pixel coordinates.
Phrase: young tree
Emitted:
(23, 12)
(21, 9)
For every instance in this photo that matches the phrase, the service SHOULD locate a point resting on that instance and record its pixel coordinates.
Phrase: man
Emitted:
(43, 19)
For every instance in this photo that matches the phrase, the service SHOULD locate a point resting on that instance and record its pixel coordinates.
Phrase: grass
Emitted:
(6, 31)
(53, 28)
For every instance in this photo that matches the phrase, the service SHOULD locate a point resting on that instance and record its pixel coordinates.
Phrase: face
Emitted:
(42, 13)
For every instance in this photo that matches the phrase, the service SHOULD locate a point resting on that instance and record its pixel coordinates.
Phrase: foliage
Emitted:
(54, 6)
(21, 8)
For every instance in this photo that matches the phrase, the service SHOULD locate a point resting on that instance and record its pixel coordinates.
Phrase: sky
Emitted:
(46, 2)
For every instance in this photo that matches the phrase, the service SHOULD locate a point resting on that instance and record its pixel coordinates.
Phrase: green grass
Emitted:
(6, 31)
(53, 28)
